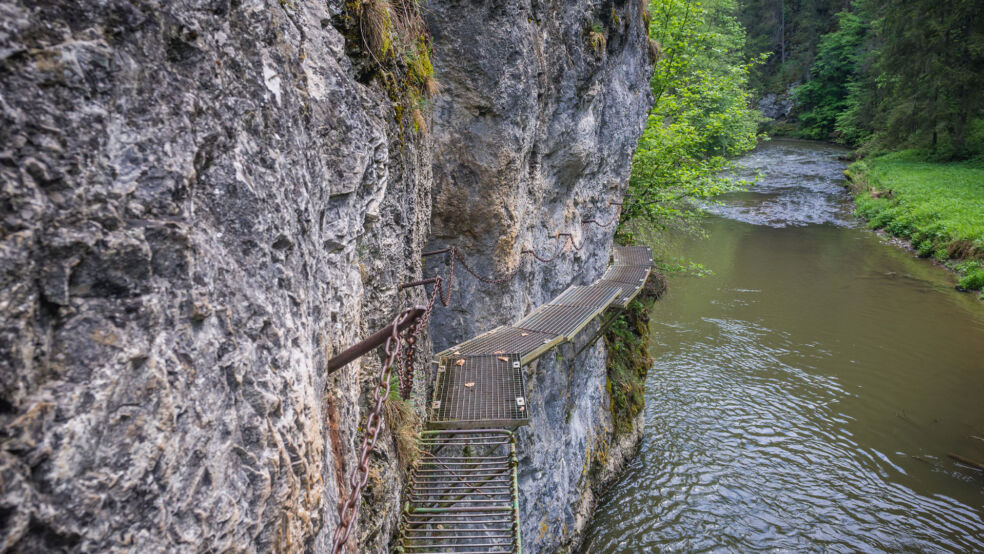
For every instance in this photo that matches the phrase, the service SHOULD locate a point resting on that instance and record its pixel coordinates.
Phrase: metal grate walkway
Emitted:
(596, 296)
(630, 269)
(632, 255)
(480, 381)
(463, 494)
(565, 321)
(479, 391)
(529, 345)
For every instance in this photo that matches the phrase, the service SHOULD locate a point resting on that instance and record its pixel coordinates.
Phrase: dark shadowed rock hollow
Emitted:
(203, 201)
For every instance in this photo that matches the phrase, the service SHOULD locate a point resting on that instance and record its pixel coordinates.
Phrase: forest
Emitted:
(900, 82)
(880, 75)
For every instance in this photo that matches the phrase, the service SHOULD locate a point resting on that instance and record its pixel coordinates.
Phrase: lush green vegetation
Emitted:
(939, 207)
(627, 344)
(700, 117)
(831, 96)
(789, 32)
(887, 76)
(884, 75)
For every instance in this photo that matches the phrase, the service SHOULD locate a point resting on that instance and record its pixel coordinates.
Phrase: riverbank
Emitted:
(937, 207)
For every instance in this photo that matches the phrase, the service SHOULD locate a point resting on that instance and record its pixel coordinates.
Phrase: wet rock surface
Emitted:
(202, 202)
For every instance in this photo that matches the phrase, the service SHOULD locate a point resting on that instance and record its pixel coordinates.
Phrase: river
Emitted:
(806, 394)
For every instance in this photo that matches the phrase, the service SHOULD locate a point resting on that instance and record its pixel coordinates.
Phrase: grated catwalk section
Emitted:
(479, 391)
(595, 296)
(630, 275)
(624, 297)
(462, 495)
(633, 255)
(501, 340)
(561, 320)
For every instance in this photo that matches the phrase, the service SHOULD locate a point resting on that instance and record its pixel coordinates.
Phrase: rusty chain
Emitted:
(373, 426)
(570, 239)
(610, 221)
(410, 334)
(404, 362)
(560, 250)
(491, 281)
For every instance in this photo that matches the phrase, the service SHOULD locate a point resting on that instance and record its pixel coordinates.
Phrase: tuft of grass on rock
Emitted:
(403, 423)
(377, 23)
(644, 13)
(655, 51)
(597, 38)
(393, 38)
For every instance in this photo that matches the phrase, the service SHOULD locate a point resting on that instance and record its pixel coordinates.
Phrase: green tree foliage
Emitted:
(835, 74)
(789, 31)
(930, 66)
(896, 74)
(700, 117)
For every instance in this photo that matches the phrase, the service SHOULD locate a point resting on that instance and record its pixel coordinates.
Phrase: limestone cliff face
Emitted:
(534, 134)
(200, 205)
(203, 201)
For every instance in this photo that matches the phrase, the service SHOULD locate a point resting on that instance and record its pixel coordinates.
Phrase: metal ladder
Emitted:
(463, 494)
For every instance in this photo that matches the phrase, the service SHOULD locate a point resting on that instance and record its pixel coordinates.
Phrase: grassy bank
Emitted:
(938, 207)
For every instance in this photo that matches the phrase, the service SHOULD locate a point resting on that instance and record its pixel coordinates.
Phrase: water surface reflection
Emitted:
(805, 395)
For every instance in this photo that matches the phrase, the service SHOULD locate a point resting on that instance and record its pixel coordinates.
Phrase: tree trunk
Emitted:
(782, 29)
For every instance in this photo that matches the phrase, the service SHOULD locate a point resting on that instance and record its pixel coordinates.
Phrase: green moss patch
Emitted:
(389, 43)
(627, 343)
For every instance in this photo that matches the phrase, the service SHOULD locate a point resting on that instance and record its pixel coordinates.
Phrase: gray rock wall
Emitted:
(200, 205)
(778, 106)
(203, 201)
(533, 134)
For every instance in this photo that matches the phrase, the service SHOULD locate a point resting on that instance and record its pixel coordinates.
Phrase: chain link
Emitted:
(491, 281)
(373, 426)
(610, 221)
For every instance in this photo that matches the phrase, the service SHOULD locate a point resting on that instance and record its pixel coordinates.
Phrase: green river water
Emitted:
(804, 397)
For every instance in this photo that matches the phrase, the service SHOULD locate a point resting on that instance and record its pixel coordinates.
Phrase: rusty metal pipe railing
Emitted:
(373, 341)
(435, 252)
(430, 281)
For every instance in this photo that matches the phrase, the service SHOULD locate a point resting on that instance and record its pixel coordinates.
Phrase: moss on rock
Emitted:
(627, 342)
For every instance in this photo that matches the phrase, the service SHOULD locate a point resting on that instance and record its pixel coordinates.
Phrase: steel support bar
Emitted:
(435, 252)
(430, 281)
(375, 340)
